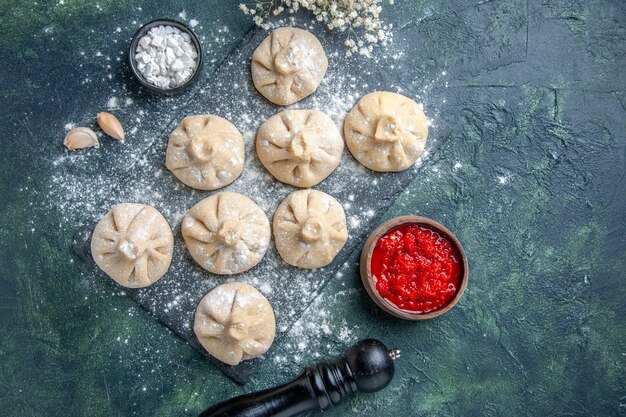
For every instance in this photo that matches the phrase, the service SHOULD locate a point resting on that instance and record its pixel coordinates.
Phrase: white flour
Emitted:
(84, 185)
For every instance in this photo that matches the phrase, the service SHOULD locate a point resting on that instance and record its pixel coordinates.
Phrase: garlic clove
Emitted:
(81, 137)
(110, 125)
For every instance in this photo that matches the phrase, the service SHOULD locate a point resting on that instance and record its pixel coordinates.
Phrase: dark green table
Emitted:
(532, 180)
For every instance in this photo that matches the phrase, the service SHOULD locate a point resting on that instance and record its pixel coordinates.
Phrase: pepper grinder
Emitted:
(366, 367)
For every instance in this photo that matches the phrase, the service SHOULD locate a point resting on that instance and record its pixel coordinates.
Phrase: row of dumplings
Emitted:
(385, 132)
(226, 233)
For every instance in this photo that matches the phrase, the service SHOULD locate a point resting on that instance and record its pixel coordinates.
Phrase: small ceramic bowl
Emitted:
(370, 285)
(133, 49)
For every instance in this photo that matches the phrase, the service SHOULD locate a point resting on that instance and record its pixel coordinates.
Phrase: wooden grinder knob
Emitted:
(366, 367)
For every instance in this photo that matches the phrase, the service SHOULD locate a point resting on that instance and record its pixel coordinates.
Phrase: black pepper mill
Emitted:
(366, 367)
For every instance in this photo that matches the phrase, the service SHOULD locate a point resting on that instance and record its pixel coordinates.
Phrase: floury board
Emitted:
(229, 93)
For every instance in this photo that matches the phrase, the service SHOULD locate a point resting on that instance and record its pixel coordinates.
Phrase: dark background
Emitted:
(531, 180)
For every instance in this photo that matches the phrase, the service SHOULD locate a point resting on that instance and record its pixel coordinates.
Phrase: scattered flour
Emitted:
(84, 185)
(112, 103)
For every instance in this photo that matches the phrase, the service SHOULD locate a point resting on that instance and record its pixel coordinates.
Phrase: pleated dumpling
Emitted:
(226, 233)
(386, 131)
(299, 147)
(133, 244)
(205, 152)
(288, 65)
(234, 322)
(309, 229)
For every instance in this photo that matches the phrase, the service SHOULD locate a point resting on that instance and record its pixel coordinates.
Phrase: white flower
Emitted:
(359, 19)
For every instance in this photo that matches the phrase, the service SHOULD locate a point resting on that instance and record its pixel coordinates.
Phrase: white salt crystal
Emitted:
(173, 54)
(177, 65)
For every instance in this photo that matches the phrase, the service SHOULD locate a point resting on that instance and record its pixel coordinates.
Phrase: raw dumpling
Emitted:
(386, 131)
(288, 65)
(299, 147)
(226, 233)
(133, 244)
(205, 152)
(235, 322)
(309, 229)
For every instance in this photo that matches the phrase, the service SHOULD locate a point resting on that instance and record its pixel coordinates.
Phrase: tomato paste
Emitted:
(416, 268)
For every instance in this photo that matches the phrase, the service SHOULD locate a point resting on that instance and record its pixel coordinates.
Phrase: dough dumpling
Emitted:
(288, 65)
(386, 131)
(226, 233)
(234, 322)
(309, 229)
(205, 152)
(299, 147)
(133, 244)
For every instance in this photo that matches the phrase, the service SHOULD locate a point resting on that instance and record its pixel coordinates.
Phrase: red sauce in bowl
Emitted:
(416, 268)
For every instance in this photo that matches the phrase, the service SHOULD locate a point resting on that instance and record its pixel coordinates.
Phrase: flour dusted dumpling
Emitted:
(205, 152)
(386, 131)
(299, 147)
(235, 322)
(309, 229)
(288, 65)
(133, 244)
(226, 233)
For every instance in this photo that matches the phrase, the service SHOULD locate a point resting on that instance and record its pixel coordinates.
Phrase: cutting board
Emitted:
(365, 195)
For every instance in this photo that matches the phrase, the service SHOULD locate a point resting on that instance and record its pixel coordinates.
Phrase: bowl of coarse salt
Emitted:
(165, 56)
